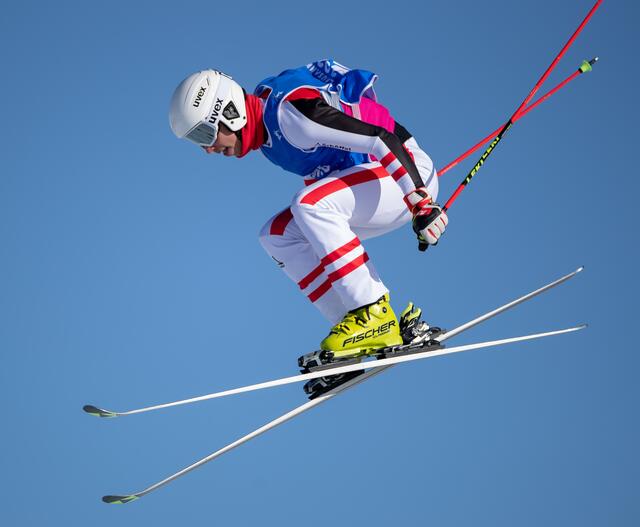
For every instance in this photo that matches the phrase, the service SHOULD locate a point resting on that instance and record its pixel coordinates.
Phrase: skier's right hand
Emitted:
(429, 220)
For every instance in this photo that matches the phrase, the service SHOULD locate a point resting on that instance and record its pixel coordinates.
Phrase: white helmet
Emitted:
(201, 102)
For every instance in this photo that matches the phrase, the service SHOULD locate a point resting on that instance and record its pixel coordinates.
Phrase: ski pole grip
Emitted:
(422, 246)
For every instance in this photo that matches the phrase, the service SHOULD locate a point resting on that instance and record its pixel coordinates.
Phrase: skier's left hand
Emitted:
(429, 220)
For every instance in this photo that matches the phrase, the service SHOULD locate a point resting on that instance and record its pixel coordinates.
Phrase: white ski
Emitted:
(341, 388)
(336, 370)
(100, 412)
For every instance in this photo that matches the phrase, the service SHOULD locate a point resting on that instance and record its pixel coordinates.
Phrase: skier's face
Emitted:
(227, 143)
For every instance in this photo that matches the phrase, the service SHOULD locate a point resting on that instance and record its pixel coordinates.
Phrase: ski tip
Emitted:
(120, 499)
(98, 412)
(579, 269)
(575, 328)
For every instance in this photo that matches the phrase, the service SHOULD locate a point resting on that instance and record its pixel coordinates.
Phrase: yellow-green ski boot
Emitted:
(363, 330)
(369, 330)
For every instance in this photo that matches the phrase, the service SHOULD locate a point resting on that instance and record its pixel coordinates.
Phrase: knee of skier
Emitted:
(280, 236)
(267, 241)
(265, 238)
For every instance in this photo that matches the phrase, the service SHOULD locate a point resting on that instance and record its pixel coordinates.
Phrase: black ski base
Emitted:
(317, 387)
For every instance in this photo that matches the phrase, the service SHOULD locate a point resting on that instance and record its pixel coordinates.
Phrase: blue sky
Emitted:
(129, 276)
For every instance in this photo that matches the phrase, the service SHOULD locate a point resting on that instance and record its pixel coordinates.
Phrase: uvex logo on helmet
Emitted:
(215, 114)
(199, 96)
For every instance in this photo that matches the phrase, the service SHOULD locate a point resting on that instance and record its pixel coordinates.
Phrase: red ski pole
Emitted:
(516, 115)
(584, 67)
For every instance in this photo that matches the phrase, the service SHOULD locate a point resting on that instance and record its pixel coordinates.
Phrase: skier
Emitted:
(364, 176)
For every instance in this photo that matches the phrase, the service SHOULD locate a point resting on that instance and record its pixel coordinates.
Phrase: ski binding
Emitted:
(417, 337)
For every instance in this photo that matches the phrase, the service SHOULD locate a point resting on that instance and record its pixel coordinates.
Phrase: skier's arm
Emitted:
(420, 158)
(311, 123)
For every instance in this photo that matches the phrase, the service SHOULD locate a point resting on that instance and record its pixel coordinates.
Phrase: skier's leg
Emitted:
(334, 214)
(285, 243)
(337, 212)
